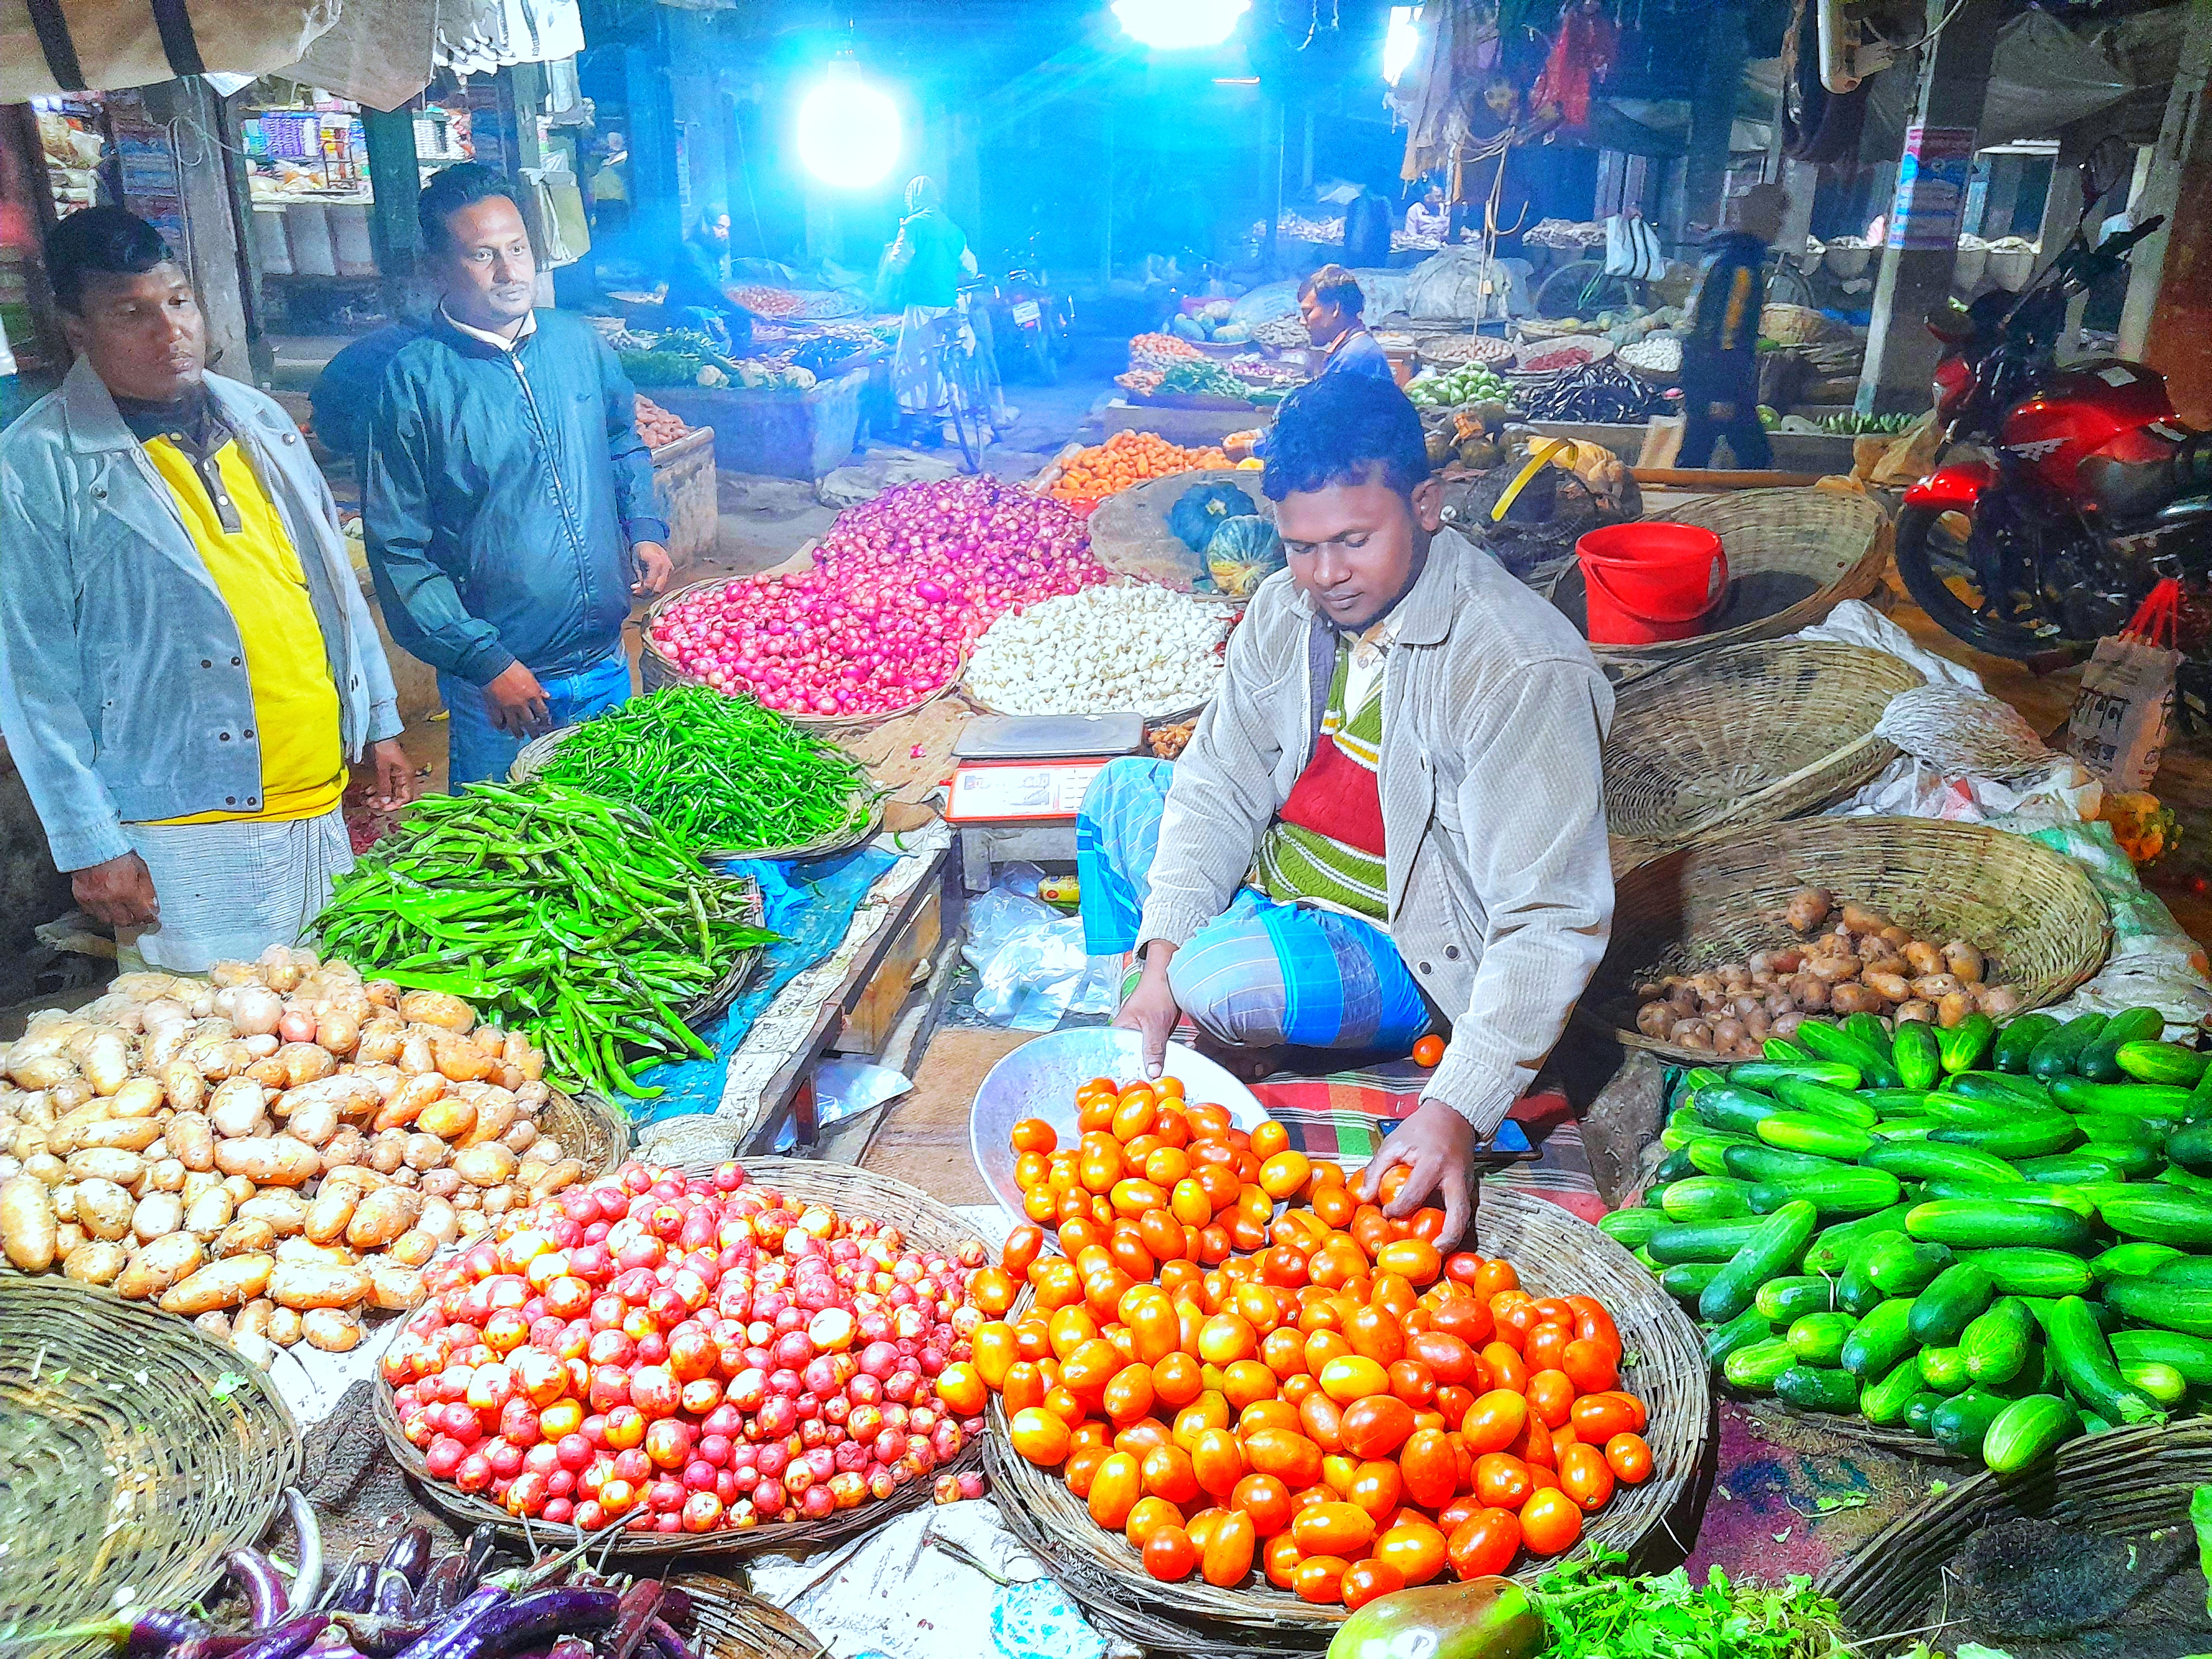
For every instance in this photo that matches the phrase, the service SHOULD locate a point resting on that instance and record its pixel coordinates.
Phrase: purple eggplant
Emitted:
(266, 1599)
(515, 1623)
(352, 1591)
(285, 1641)
(394, 1598)
(379, 1637)
(307, 1580)
(662, 1643)
(675, 1607)
(476, 1555)
(154, 1633)
(569, 1647)
(214, 1647)
(634, 1615)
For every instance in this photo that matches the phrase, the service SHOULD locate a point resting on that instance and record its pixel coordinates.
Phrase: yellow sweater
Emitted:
(295, 705)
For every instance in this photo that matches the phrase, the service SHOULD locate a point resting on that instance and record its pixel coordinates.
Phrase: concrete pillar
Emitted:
(1712, 111)
(1802, 180)
(656, 218)
(2168, 319)
(1900, 354)
(395, 179)
(190, 110)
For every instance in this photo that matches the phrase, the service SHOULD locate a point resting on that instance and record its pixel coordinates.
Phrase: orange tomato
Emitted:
(1463, 1315)
(1217, 1461)
(1127, 1397)
(1057, 1283)
(1246, 1383)
(1200, 1526)
(1532, 1445)
(1280, 1559)
(1322, 1346)
(1291, 1458)
(1076, 1235)
(1502, 1480)
(1376, 1488)
(1414, 1259)
(1033, 1134)
(1353, 1377)
(1082, 1467)
(1334, 1205)
(1228, 1553)
(1133, 1112)
(1551, 1396)
(1449, 1360)
(1337, 1528)
(1177, 1380)
(1322, 1419)
(1284, 1173)
(1169, 1555)
(1086, 1372)
(1225, 1337)
(1484, 1544)
(1268, 1415)
(1551, 1521)
(994, 1349)
(1413, 1547)
(1430, 1468)
(1208, 1411)
(1506, 1369)
(1413, 1383)
(1024, 1245)
(1024, 1386)
(961, 1386)
(1147, 1516)
(1065, 1406)
(1429, 1051)
(1265, 1499)
(1598, 1417)
(1545, 1346)
(1320, 1579)
(1585, 1476)
(1495, 1275)
(1140, 1438)
(1594, 1365)
(1168, 1474)
(1270, 1137)
(1494, 1421)
(1629, 1458)
(1113, 1490)
(1376, 1427)
(1038, 1436)
(1364, 1581)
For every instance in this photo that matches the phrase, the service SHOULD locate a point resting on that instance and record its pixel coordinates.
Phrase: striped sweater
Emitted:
(1325, 847)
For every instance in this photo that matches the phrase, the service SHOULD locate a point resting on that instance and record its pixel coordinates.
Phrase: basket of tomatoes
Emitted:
(1237, 1403)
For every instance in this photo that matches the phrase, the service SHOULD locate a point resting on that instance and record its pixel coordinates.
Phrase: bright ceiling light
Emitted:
(1400, 43)
(1173, 24)
(848, 129)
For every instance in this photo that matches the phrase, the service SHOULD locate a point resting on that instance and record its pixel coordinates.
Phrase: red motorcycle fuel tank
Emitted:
(2078, 411)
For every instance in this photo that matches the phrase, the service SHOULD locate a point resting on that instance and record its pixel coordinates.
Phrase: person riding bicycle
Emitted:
(922, 269)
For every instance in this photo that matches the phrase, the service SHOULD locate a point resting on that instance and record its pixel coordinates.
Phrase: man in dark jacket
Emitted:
(509, 504)
(1720, 360)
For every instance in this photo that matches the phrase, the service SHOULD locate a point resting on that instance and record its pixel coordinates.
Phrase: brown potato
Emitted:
(1936, 987)
(521, 1135)
(460, 1060)
(67, 1237)
(209, 1212)
(1808, 993)
(407, 1101)
(166, 1175)
(412, 1247)
(382, 1216)
(1998, 1001)
(346, 1150)
(1924, 958)
(192, 1140)
(104, 1208)
(214, 1324)
(1807, 908)
(330, 1330)
(270, 1160)
(1849, 998)
(1895, 936)
(394, 1286)
(297, 1285)
(95, 1261)
(484, 1166)
(251, 1322)
(241, 1187)
(158, 1215)
(1654, 1018)
(1861, 919)
(107, 1164)
(450, 1119)
(238, 1109)
(333, 1207)
(436, 1008)
(1833, 970)
(1951, 1007)
(130, 1135)
(305, 1062)
(224, 1284)
(163, 1263)
(248, 1234)
(1964, 961)
(1893, 988)
(286, 1212)
(285, 1326)
(436, 1218)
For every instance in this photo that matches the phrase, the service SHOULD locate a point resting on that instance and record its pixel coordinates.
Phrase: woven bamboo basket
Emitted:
(1752, 734)
(1597, 345)
(1556, 1253)
(2125, 1484)
(655, 670)
(850, 1192)
(1129, 529)
(2031, 911)
(1452, 350)
(715, 1000)
(137, 1452)
(1799, 325)
(729, 1622)
(589, 1129)
(536, 754)
(1793, 555)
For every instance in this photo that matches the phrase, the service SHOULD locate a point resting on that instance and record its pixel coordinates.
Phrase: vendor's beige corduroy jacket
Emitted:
(1493, 808)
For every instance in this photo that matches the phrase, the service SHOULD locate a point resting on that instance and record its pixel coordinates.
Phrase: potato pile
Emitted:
(280, 1138)
(1864, 964)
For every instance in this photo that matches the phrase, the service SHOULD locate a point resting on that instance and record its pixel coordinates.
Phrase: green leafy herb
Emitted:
(2200, 1516)
(226, 1385)
(1591, 1615)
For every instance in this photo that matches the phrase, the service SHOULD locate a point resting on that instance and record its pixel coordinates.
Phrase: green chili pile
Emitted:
(580, 920)
(716, 771)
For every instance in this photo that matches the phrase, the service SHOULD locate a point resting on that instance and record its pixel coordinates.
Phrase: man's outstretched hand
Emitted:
(1437, 1145)
(1151, 1011)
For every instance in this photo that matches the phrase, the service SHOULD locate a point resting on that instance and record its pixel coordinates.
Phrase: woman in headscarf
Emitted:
(922, 269)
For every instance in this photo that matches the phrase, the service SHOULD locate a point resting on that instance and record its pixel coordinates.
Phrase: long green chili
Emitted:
(581, 922)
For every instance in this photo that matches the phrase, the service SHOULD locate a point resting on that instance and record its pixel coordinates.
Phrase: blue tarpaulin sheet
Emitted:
(810, 905)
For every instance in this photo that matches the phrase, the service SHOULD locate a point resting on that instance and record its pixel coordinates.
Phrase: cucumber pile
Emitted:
(1997, 1239)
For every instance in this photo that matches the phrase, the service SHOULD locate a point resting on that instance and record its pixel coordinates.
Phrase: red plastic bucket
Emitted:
(1651, 580)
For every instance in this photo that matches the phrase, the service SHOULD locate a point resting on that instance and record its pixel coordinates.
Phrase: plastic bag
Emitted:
(2124, 709)
(1030, 958)
(1632, 250)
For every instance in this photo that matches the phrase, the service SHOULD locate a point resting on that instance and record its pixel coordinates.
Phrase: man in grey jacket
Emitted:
(187, 663)
(1391, 817)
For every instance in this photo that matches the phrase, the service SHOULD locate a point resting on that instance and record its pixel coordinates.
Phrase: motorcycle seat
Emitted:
(2135, 488)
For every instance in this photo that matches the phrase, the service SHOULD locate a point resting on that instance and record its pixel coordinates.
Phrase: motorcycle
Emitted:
(1030, 321)
(2081, 489)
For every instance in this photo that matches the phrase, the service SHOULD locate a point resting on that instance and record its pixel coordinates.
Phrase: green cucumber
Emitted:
(1914, 1050)
(2166, 1385)
(1686, 1281)
(2190, 1273)
(1883, 1403)
(1922, 1406)
(1650, 1263)
(1774, 1249)
(1707, 1197)
(1803, 1094)
(2031, 1192)
(1783, 1052)
(1944, 1369)
(1999, 1089)
(2030, 1134)
(2054, 1055)
(1759, 1365)
(1843, 1191)
(1832, 1251)
(2028, 1430)
(2070, 1168)
(1979, 1224)
(1674, 1167)
(1631, 1227)
(1818, 1388)
(1948, 1305)
(2151, 1061)
(2169, 1307)
(1879, 1341)
(1964, 1046)
(1813, 1133)
(2085, 1360)
(2018, 1038)
(2132, 1160)
(2143, 1100)
(1765, 1074)
(1708, 1152)
(1702, 1241)
(1817, 1339)
(2180, 1218)
(2174, 1176)
(2032, 1270)
(1961, 1423)
(1956, 1111)
(2190, 1355)
(1919, 1160)
(2115, 1129)
(2098, 1060)
(2136, 1259)
(1760, 1162)
(1898, 1266)
(2190, 1146)
(1782, 1300)
(1996, 1341)
(1730, 1106)
(1873, 1064)
(1897, 1103)
(1745, 1328)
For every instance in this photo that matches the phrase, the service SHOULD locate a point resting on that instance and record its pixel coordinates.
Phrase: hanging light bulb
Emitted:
(848, 128)
(1399, 42)
(1172, 25)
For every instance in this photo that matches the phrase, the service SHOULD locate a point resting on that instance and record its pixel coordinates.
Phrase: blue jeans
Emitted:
(479, 752)
(1262, 972)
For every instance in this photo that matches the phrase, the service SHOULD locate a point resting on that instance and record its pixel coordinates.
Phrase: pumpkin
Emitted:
(1201, 510)
(1243, 553)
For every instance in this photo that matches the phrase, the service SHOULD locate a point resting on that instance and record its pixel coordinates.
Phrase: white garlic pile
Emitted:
(1105, 650)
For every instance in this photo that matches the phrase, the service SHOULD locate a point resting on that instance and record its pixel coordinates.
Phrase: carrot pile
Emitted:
(1124, 459)
(1319, 1393)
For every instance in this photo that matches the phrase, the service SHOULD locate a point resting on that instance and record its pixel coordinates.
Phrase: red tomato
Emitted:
(1484, 1544)
(1427, 1052)
(1551, 1521)
(1364, 1581)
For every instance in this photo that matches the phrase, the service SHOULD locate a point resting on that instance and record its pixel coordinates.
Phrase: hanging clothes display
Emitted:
(1581, 52)
(1457, 47)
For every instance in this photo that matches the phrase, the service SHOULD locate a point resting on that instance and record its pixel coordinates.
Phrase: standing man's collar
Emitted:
(485, 337)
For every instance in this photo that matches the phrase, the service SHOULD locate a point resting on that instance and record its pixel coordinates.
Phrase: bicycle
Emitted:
(964, 403)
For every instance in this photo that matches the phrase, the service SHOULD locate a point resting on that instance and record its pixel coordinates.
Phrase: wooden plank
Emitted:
(924, 1137)
(869, 1020)
(1686, 478)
